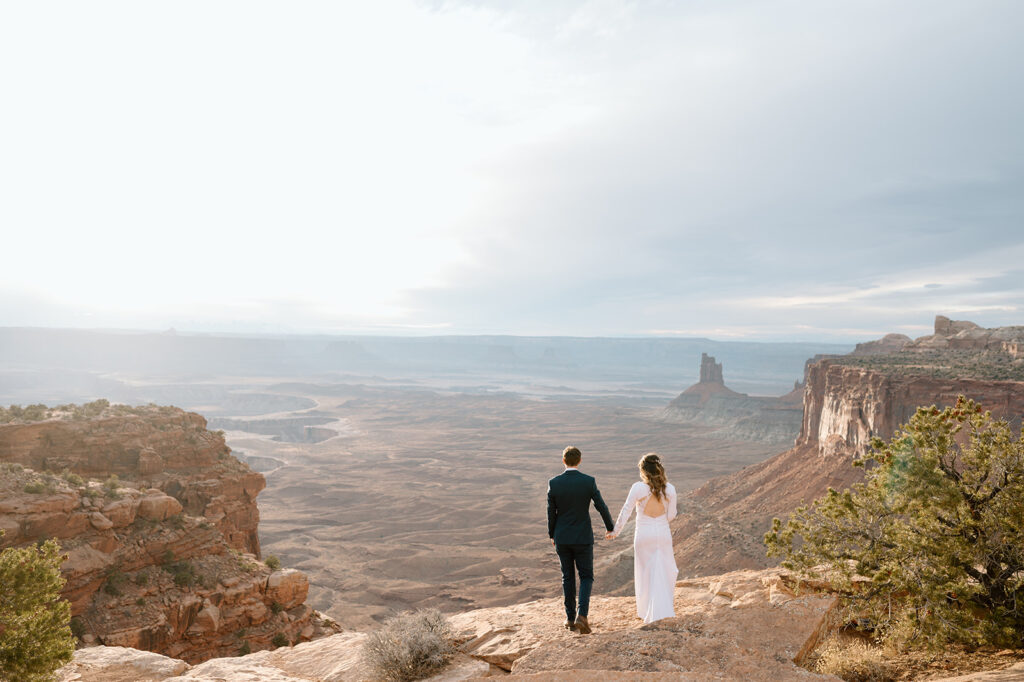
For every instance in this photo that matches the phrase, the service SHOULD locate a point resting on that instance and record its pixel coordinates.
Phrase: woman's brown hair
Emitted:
(653, 474)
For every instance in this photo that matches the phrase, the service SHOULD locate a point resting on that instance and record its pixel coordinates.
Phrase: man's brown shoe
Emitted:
(569, 626)
(582, 626)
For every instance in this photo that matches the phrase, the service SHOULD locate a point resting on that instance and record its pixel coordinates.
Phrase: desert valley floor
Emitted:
(397, 497)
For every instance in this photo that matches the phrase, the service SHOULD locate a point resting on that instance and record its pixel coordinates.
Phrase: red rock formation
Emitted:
(158, 447)
(735, 416)
(721, 524)
(162, 558)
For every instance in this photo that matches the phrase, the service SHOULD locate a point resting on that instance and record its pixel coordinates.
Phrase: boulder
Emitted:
(158, 507)
(121, 512)
(288, 587)
(119, 663)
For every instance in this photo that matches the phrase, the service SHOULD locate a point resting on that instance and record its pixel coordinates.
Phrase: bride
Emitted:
(654, 563)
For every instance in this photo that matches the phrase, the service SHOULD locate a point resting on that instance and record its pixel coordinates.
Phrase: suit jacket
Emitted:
(569, 496)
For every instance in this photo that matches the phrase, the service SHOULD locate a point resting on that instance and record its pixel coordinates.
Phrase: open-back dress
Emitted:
(654, 563)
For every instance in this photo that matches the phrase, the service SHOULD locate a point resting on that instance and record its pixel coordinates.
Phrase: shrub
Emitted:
(167, 557)
(854, 662)
(115, 579)
(184, 573)
(72, 478)
(275, 607)
(280, 640)
(409, 646)
(77, 627)
(110, 487)
(36, 487)
(245, 649)
(140, 602)
(141, 578)
(935, 528)
(273, 563)
(35, 638)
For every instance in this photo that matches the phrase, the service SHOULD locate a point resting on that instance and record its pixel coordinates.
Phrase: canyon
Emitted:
(847, 400)
(159, 525)
(401, 495)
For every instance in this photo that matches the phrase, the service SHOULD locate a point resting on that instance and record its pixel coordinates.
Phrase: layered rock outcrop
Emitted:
(845, 404)
(890, 343)
(162, 552)
(154, 447)
(733, 415)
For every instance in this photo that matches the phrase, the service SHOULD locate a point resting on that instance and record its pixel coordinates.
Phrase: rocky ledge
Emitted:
(745, 625)
(161, 551)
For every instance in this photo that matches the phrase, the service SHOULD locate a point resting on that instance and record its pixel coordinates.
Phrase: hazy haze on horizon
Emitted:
(733, 170)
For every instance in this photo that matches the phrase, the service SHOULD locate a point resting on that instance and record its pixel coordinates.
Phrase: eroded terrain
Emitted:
(428, 498)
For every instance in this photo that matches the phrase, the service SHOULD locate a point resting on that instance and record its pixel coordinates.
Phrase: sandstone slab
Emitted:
(117, 664)
(751, 625)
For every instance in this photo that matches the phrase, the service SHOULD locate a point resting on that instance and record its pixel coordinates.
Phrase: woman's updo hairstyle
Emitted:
(653, 474)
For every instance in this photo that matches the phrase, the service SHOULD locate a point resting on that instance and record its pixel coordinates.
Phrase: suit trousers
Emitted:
(576, 559)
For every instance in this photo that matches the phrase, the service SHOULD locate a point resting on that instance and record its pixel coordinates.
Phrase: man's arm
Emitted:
(552, 514)
(602, 509)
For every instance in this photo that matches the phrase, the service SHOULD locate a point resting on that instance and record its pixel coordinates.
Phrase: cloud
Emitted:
(776, 170)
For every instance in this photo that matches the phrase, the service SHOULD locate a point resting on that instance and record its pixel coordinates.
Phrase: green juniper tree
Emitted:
(35, 632)
(930, 546)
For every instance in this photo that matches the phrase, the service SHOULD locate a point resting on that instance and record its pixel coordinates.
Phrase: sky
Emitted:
(735, 169)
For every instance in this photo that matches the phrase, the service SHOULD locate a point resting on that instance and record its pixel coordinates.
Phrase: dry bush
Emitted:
(410, 646)
(854, 662)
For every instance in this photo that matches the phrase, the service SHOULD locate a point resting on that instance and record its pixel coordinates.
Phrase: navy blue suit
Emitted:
(569, 497)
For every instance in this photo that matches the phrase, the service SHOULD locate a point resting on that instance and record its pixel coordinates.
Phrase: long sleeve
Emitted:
(670, 508)
(602, 508)
(627, 508)
(552, 514)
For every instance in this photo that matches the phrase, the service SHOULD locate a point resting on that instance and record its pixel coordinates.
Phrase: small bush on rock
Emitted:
(273, 563)
(111, 486)
(36, 487)
(410, 646)
(77, 627)
(853, 662)
(280, 640)
(72, 478)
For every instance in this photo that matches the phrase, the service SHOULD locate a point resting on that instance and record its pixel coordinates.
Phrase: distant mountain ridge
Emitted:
(64, 365)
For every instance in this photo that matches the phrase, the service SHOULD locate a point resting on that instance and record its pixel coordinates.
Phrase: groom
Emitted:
(569, 496)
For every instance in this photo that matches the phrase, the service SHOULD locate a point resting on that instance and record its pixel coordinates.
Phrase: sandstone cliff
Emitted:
(158, 521)
(155, 447)
(846, 401)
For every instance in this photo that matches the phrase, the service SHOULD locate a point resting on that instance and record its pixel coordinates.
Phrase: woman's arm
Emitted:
(627, 509)
(670, 508)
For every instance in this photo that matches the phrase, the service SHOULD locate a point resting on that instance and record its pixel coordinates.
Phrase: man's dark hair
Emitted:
(572, 456)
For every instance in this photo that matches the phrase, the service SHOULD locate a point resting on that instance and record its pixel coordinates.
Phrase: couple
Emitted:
(654, 563)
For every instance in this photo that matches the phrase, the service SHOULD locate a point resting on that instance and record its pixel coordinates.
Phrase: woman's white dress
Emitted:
(654, 563)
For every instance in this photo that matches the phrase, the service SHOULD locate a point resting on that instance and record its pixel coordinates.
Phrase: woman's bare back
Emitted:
(653, 507)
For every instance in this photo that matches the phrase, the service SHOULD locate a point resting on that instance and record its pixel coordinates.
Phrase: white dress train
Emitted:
(654, 562)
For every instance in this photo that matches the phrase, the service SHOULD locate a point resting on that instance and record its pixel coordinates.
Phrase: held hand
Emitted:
(552, 542)
(609, 535)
